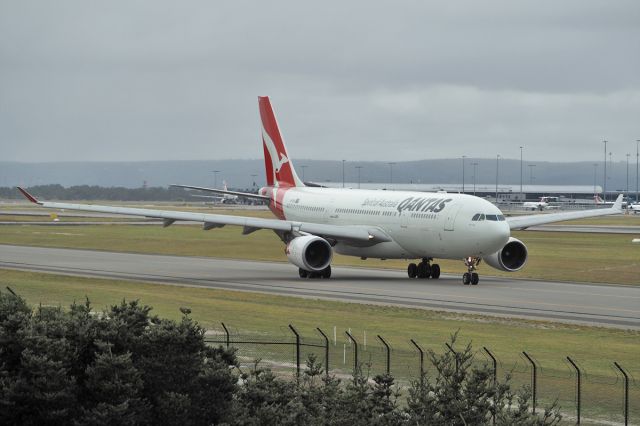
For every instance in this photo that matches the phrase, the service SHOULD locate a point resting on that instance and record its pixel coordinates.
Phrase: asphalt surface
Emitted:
(602, 305)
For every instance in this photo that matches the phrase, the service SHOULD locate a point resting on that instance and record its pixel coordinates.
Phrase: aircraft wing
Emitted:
(362, 234)
(223, 192)
(523, 222)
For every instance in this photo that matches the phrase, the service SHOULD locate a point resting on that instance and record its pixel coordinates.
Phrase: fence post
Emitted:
(326, 351)
(495, 379)
(421, 361)
(297, 350)
(455, 354)
(226, 332)
(626, 393)
(386, 345)
(355, 351)
(534, 379)
(578, 385)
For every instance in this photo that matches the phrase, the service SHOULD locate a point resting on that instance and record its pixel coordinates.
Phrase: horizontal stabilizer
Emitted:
(223, 192)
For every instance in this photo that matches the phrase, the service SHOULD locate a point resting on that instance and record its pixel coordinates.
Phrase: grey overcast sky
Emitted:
(357, 80)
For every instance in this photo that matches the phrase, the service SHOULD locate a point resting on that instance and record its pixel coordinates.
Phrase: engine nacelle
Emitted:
(310, 253)
(512, 257)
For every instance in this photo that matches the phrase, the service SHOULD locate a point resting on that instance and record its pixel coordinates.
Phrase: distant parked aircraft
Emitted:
(225, 197)
(544, 203)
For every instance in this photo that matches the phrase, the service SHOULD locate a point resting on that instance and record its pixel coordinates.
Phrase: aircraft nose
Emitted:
(499, 236)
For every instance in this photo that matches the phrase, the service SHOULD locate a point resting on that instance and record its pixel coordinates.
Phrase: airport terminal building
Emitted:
(506, 193)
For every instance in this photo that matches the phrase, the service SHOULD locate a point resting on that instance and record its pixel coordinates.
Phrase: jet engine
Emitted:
(512, 257)
(310, 253)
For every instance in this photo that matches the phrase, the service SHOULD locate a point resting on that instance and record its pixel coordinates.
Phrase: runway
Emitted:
(601, 305)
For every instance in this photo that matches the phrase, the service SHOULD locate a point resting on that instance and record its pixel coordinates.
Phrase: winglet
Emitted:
(618, 204)
(28, 196)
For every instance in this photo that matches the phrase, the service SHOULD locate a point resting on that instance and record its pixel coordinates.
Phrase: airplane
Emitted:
(315, 222)
(542, 204)
(635, 208)
(225, 197)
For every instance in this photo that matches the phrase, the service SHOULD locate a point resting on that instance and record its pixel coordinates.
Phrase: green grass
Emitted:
(582, 257)
(253, 314)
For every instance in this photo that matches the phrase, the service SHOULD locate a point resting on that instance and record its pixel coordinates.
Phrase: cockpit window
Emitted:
(481, 217)
(476, 217)
(492, 217)
(501, 218)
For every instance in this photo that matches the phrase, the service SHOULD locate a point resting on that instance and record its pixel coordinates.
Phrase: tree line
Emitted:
(126, 366)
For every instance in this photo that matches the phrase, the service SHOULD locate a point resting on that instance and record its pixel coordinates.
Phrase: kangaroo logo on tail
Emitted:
(279, 168)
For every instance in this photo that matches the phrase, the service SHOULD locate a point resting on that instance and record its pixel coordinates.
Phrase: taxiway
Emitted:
(601, 305)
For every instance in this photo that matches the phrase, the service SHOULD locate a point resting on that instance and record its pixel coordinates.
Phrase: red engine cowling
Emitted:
(511, 258)
(310, 253)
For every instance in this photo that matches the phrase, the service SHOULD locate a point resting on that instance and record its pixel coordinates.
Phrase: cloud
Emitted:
(133, 80)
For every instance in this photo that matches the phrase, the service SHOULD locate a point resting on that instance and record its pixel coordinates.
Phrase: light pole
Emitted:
(627, 191)
(637, 159)
(610, 166)
(359, 168)
(391, 164)
(521, 194)
(303, 169)
(604, 193)
(497, 167)
(215, 178)
(463, 157)
(475, 165)
(595, 168)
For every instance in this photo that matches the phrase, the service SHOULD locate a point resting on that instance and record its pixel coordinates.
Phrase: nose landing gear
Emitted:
(471, 277)
(424, 269)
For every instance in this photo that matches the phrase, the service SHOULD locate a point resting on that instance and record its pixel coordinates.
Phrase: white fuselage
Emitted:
(421, 224)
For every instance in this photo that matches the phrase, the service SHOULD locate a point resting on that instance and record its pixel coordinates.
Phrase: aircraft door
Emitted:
(450, 216)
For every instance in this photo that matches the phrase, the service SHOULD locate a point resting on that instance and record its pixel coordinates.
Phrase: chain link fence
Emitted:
(613, 398)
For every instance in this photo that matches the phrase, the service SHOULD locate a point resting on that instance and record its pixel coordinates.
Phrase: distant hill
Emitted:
(238, 173)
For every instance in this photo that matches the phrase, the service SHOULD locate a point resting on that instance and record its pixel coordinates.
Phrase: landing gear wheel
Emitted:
(424, 270)
(466, 278)
(475, 278)
(427, 269)
(326, 272)
(435, 271)
(412, 270)
(303, 273)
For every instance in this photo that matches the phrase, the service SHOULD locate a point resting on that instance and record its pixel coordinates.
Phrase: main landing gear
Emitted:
(424, 269)
(325, 273)
(471, 277)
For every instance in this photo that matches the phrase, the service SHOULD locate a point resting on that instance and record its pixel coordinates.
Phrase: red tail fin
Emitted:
(278, 165)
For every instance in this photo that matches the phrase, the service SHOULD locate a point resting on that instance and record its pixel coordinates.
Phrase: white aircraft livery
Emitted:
(315, 222)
